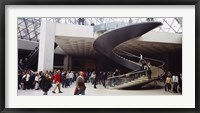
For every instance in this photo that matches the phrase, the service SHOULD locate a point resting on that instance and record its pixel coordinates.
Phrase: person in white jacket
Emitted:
(71, 76)
(92, 77)
(67, 83)
(175, 83)
(26, 78)
(37, 79)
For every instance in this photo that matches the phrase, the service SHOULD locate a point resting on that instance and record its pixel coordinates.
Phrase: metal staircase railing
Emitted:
(138, 76)
(161, 63)
(107, 42)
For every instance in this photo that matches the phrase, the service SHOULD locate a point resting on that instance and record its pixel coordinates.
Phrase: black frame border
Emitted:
(98, 2)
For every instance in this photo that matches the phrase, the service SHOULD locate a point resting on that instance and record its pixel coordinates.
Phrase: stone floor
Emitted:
(100, 91)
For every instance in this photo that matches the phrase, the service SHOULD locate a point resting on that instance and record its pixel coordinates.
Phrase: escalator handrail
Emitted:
(130, 54)
(36, 51)
(33, 53)
(141, 71)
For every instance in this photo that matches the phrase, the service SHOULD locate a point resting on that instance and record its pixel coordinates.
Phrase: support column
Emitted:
(66, 62)
(46, 46)
(70, 63)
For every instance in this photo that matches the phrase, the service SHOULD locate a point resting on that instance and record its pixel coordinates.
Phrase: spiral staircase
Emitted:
(106, 45)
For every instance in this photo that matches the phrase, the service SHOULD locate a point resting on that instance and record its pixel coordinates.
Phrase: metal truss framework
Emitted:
(29, 28)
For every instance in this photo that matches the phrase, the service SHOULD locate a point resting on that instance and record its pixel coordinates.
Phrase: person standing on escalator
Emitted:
(142, 62)
(115, 75)
(26, 63)
(148, 70)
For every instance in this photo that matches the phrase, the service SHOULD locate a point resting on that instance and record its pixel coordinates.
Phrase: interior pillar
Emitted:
(46, 46)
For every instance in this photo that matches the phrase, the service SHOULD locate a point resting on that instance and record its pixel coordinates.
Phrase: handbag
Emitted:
(76, 91)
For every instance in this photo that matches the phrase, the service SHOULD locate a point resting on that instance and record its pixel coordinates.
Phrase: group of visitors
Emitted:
(101, 78)
(33, 80)
(145, 66)
(28, 79)
(173, 83)
(67, 78)
(43, 80)
(81, 21)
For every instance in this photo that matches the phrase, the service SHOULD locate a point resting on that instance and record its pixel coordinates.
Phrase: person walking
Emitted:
(175, 83)
(96, 79)
(57, 82)
(37, 81)
(92, 77)
(26, 79)
(80, 85)
(168, 82)
(71, 76)
(104, 78)
(67, 83)
(19, 80)
(180, 83)
(46, 84)
(63, 80)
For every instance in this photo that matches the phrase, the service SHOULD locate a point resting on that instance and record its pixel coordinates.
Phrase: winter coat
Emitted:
(57, 78)
(46, 84)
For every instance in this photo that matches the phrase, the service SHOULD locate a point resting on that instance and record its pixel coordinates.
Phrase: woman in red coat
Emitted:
(57, 82)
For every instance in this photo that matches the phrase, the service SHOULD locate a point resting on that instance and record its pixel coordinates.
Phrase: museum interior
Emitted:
(127, 46)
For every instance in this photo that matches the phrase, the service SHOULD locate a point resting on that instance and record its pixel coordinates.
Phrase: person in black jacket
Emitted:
(180, 83)
(96, 79)
(46, 84)
(148, 69)
(19, 80)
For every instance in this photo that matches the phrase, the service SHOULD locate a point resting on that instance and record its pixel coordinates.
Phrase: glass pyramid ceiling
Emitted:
(29, 28)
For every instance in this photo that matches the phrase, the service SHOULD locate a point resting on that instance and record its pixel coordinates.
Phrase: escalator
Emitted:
(106, 44)
(33, 58)
(20, 68)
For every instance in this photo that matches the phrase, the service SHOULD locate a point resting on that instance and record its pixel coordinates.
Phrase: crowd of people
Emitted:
(146, 66)
(30, 80)
(173, 83)
(27, 79)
